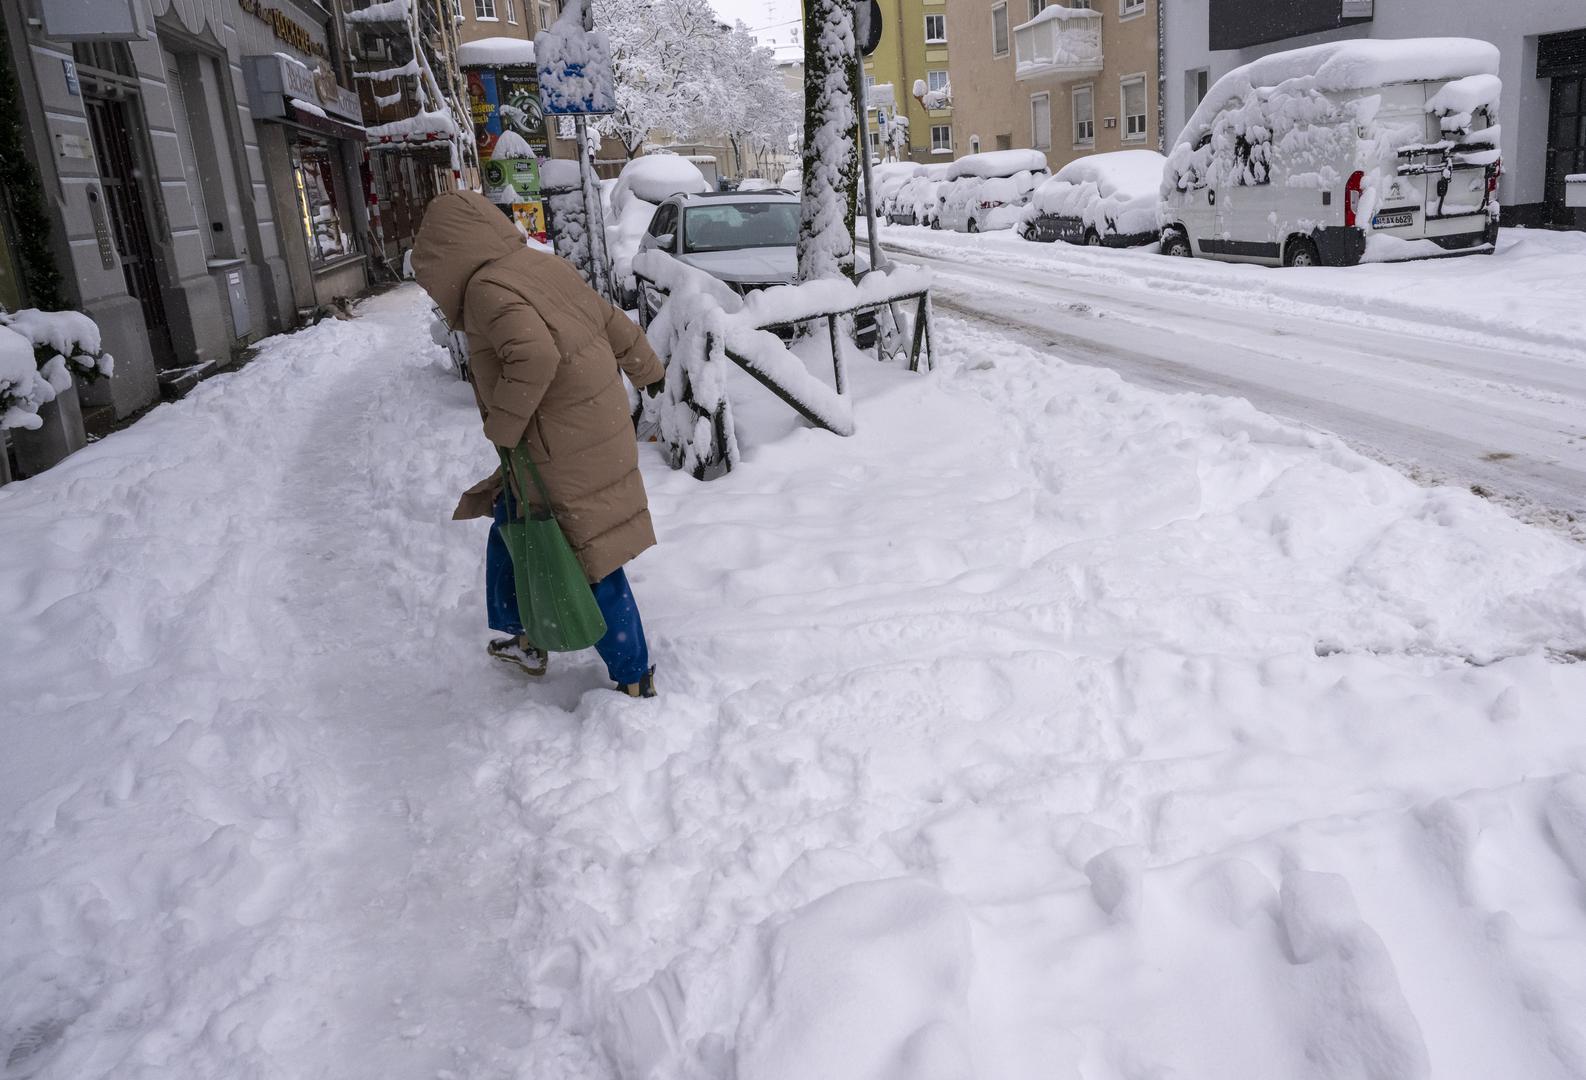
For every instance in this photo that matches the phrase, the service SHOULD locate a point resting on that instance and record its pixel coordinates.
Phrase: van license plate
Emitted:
(1393, 219)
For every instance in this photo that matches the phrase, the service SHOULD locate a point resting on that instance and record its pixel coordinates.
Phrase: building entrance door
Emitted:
(1566, 144)
(110, 121)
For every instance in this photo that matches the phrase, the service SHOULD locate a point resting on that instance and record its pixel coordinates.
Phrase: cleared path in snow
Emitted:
(1505, 415)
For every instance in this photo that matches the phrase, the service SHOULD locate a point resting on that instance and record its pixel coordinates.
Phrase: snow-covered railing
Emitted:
(701, 323)
(1060, 41)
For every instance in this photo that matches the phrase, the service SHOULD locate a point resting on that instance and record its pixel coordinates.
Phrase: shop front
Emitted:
(311, 132)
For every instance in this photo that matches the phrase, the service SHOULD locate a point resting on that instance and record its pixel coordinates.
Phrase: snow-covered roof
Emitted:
(1123, 170)
(1350, 65)
(1064, 14)
(998, 163)
(496, 52)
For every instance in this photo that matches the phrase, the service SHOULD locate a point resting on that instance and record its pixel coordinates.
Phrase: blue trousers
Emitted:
(623, 648)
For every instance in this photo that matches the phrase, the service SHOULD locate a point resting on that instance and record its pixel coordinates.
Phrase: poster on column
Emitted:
(502, 100)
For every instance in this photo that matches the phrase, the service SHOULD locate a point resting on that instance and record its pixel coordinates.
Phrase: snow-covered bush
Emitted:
(1110, 193)
(40, 351)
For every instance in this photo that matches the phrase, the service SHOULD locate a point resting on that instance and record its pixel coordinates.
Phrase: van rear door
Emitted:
(1447, 175)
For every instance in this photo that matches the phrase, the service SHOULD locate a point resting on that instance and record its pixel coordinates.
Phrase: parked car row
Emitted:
(1328, 155)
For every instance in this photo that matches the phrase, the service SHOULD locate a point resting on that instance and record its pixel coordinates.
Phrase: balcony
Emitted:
(1061, 42)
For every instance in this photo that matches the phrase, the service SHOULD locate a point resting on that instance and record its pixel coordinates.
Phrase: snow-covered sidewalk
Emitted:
(1047, 727)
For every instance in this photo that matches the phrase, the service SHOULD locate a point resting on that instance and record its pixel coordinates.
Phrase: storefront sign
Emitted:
(506, 100)
(293, 33)
(275, 80)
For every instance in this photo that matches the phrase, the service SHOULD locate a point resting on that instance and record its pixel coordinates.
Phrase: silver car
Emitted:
(749, 240)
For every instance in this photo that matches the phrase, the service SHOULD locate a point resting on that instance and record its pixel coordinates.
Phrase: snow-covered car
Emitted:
(792, 180)
(1334, 154)
(644, 183)
(748, 240)
(754, 183)
(1107, 200)
(916, 200)
(888, 178)
(988, 191)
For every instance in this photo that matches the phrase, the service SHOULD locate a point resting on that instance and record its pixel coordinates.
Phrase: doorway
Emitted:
(109, 104)
(1566, 145)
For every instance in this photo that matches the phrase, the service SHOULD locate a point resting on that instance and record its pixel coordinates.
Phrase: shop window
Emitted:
(999, 30)
(319, 201)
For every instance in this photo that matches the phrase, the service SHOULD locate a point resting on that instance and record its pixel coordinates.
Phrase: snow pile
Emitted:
(23, 387)
(559, 174)
(932, 99)
(792, 180)
(512, 145)
(1047, 727)
(655, 177)
(496, 52)
(917, 197)
(998, 162)
(385, 11)
(643, 184)
(574, 65)
(755, 183)
(1114, 194)
(702, 319)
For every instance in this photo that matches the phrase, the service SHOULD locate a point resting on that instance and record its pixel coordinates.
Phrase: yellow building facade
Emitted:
(916, 37)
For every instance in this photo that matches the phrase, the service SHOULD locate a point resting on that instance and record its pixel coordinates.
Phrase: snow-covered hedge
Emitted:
(39, 353)
(1111, 193)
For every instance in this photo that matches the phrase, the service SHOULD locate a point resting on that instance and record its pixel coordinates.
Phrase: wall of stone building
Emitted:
(989, 102)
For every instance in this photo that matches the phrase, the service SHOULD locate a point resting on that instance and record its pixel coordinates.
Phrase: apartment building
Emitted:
(1542, 45)
(915, 43)
(1070, 77)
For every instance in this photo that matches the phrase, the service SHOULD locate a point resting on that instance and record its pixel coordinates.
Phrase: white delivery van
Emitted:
(1338, 153)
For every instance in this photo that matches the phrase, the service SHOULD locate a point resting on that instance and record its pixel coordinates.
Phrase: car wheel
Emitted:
(1092, 238)
(973, 226)
(936, 223)
(1177, 245)
(1301, 252)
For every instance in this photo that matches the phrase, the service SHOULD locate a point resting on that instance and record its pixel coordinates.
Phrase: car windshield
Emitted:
(740, 225)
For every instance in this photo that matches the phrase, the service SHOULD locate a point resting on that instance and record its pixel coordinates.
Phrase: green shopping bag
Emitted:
(555, 604)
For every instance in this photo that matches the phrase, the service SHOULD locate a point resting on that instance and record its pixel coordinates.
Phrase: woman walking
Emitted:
(547, 354)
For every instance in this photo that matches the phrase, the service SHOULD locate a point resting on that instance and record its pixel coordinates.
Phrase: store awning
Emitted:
(312, 117)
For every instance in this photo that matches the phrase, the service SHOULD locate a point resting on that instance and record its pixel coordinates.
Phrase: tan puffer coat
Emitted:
(545, 350)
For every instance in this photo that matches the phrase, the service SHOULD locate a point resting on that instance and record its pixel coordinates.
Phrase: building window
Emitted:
(941, 139)
(485, 9)
(547, 16)
(1127, 8)
(935, 29)
(1133, 94)
(1078, 5)
(1041, 121)
(935, 80)
(974, 144)
(512, 11)
(999, 30)
(457, 10)
(314, 175)
(1195, 86)
(1036, 7)
(1084, 116)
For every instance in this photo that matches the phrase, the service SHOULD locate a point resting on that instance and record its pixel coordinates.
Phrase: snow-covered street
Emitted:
(1466, 371)
(1050, 726)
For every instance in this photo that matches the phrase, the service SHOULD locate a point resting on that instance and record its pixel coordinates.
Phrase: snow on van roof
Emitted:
(1350, 65)
(997, 163)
